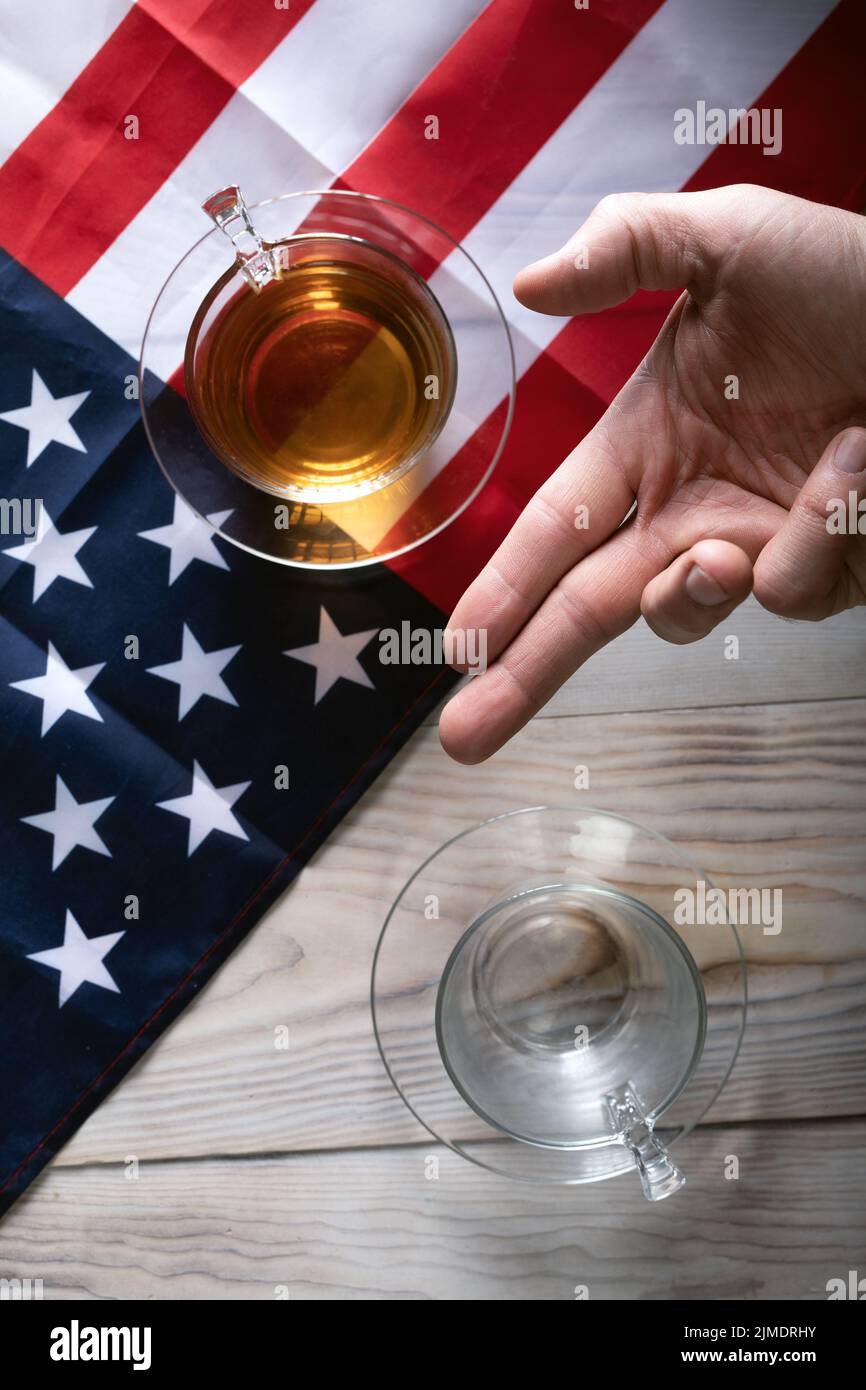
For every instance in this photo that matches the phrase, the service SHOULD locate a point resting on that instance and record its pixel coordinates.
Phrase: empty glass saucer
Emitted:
(543, 1010)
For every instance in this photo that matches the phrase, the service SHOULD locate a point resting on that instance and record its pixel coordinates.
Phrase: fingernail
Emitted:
(703, 588)
(850, 456)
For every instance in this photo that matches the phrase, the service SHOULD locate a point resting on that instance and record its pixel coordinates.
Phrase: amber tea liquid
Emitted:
(329, 382)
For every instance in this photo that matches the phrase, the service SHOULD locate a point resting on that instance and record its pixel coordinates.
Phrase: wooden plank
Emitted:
(381, 1225)
(766, 796)
(776, 660)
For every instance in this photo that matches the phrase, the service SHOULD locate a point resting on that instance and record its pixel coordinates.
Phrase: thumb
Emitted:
(697, 592)
(630, 241)
(802, 571)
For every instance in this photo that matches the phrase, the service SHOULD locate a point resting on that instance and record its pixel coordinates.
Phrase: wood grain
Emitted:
(765, 796)
(373, 1225)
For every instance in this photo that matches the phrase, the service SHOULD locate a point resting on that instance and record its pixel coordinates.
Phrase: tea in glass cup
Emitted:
(326, 380)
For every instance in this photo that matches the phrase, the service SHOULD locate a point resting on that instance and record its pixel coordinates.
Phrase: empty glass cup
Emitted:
(562, 1027)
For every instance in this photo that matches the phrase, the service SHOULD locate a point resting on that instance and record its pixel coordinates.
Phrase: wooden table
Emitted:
(265, 1172)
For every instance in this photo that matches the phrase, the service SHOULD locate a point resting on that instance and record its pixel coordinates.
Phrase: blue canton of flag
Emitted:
(155, 680)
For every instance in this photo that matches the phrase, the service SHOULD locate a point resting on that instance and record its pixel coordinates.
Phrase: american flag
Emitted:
(182, 724)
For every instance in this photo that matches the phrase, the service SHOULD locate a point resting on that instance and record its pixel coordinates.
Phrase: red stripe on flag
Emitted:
(499, 94)
(548, 393)
(602, 350)
(823, 98)
(217, 31)
(73, 185)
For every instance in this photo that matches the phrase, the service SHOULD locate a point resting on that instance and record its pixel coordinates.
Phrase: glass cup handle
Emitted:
(659, 1177)
(228, 209)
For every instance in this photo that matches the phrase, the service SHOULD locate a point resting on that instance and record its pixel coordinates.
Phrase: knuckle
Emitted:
(813, 509)
(777, 594)
(737, 191)
(588, 628)
(625, 210)
(551, 515)
(508, 586)
(617, 204)
(521, 692)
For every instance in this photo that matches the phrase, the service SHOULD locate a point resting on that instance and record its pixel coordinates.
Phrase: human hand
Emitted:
(731, 494)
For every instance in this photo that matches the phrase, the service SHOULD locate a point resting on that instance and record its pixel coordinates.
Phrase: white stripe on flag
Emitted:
(44, 45)
(247, 143)
(242, 145)
(345, 68)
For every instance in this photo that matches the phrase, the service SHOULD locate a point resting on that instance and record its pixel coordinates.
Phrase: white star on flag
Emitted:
(188, 538)
(46, 419)
(207, 808)
(334, 655)
(71, 823)
(52, 554)
(198, 673)
(61, 689)
(79, 959)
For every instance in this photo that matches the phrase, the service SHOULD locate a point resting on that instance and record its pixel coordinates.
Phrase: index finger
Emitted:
(595, 603)
(576, 510)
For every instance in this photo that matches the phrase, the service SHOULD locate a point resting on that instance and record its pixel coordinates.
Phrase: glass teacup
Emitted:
(327, 377)
(561, 1027)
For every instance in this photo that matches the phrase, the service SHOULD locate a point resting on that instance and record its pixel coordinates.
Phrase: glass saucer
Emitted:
(420, 502)
(532, 981)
